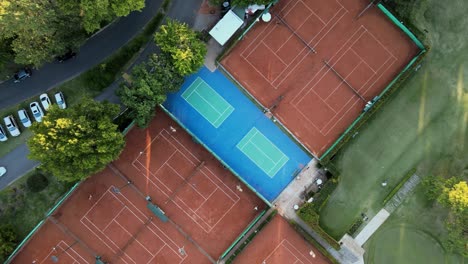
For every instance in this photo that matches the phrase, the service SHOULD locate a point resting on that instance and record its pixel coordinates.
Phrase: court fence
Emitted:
(215, 155)
(384, 95)
(249, 227)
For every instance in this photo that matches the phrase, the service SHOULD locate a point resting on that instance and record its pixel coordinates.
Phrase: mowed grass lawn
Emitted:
(424, 125)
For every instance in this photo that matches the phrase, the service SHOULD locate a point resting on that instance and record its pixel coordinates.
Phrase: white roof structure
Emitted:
(226, 27)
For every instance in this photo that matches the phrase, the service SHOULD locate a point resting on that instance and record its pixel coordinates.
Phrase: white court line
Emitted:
(218, 186)
(61, 252)
(362, 59)
(185, 181)
(222, 114)
(202, 171)
(111, 248)
(206, 199)
(194, 89)
(136, 240)
(331, 59)
(341, 82)
(195, 162)
(319, 33)
(98, 201)
(381, 44)
(297, 251)
(221, 183)
(154, 225)
(123, 208)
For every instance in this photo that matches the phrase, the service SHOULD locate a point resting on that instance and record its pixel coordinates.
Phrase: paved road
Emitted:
(96, 49)
(17, 162)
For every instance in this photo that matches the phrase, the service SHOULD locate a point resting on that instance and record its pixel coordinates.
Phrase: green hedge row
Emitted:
(309, 212)
(399, 185)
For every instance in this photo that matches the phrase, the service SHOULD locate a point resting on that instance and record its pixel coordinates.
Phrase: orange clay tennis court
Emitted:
(279, 243)
(315, 65)
(108, 216)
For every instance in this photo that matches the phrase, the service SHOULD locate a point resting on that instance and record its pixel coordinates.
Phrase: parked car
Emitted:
(60, 100)
(11, 125)
(3, 136)
(2, 171)
(70, 54)
(22, 74)
(24, 117)
(45, 101)
(36, 111)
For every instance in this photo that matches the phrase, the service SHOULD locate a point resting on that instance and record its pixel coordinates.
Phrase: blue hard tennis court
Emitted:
(218, 114)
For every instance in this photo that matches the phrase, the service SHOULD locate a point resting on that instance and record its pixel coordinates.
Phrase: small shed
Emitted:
(226, 27)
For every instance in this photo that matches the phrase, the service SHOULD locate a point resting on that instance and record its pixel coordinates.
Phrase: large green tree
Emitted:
(182, 44)
(94, 12)
(72, 144)
(32, 27)
(7, 240)
(148, 86)
(451, 193)
(40, 29)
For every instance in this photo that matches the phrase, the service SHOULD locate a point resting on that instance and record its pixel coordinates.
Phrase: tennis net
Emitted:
(295, 33)
(344, 80)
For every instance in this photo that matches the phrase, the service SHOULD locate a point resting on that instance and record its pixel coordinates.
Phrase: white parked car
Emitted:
(36, 111)
(11, 125)
(60, 100)
(24, 117)
(3, 136)
(2, 171)
(45, 101)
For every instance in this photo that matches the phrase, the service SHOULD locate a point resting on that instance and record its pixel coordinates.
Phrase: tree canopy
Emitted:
(183, 46)
(7, 240)
(74, 143)
(451, 193)
(150, 82)
(36, 30)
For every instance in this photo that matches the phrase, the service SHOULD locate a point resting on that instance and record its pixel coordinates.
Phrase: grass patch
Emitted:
(423, 126)
(23, 208)
(89, 84)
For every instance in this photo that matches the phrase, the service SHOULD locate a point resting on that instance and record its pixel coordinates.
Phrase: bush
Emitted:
(355, 226)
(308, 214)
(7, 240)
(37, 182)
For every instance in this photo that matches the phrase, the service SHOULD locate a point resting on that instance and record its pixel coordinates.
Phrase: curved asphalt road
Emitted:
(96, 49)
(16, 161)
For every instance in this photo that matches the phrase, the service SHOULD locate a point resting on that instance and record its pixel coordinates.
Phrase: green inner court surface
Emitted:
(262, 152)
(207, 102)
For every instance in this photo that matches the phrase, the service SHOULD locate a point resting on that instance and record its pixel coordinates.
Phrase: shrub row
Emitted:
(399, 185)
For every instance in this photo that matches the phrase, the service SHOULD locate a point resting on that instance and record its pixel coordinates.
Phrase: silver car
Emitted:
(60, 100)
(45, 101)
(24, 117)
(36, 111)
(2, 171)
(3, 136)
(11, 125)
